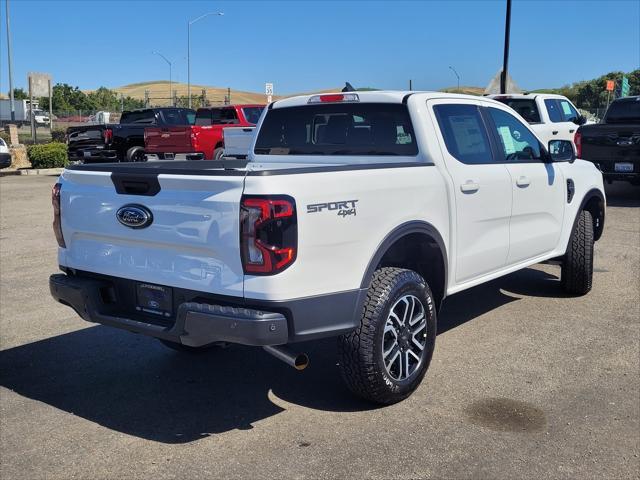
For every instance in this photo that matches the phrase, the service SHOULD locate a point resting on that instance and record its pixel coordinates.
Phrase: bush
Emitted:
(58, 135)
(48, 155)
(6, 137)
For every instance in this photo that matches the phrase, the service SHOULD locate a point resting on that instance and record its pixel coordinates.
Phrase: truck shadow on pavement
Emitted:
(134, 385)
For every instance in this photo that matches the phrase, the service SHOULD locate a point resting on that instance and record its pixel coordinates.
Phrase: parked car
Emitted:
(614, 144)
(550, 116)
(204, 139)
(123, 142)
(5, 155)
(354, 216)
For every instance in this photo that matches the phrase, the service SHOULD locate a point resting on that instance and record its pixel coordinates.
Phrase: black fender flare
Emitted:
(593, 193)
(396, 234)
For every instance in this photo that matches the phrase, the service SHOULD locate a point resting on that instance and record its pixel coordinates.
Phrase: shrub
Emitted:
(6, 137)
(48, 155)
(58, 135)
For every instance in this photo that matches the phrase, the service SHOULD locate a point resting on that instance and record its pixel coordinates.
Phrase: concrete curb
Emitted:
(32, 171)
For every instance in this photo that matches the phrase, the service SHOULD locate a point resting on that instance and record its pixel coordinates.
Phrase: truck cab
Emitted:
(550, 116)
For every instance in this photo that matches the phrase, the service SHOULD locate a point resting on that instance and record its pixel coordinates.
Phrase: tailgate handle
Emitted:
(136, 184)
(247, 129)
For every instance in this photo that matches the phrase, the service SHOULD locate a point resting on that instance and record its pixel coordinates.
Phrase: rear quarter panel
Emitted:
(334, 251)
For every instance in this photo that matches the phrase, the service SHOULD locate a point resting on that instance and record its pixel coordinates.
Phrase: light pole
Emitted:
(191, 22)
(505, 61)
(170, 83)
(11, 102)
(457, 76)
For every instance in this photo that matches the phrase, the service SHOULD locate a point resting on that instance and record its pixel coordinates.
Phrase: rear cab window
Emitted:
(178, 117)
(624, 111)
(147, 117)
(367, 129)
(526, 108)
(252, 114)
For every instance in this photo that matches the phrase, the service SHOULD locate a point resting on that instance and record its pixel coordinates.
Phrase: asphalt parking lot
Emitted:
(525, 382)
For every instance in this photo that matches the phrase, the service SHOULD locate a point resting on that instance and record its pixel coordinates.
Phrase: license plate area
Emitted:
(169, 156)
(624, 167)
(154, 299)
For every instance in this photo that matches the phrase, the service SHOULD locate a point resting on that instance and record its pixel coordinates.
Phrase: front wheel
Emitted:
(385, 359)
(577, 265)
(135, 154)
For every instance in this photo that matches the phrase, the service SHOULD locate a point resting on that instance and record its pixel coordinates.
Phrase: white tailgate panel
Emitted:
(193, 242)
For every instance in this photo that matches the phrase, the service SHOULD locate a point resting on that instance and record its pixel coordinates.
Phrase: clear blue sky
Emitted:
(303, 45)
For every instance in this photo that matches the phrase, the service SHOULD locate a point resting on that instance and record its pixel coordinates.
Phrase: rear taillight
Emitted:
(57, 224)
(194, 140)
(268, 233)
(578, 141)
(107, 134)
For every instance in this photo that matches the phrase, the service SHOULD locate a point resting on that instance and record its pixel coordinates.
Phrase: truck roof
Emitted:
(529, 95)
(377, 96)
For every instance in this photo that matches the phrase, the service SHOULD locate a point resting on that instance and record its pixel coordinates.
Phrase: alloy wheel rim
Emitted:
(404, 338)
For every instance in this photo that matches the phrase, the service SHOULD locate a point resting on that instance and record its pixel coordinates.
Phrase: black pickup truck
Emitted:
(614, 144)
(123, 142)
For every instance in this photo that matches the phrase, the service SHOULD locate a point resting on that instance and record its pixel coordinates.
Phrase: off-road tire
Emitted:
(218, 153)
(360, 352)
(577, 264)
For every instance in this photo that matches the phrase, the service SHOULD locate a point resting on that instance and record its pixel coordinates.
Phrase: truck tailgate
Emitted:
(168, 139)
(191, 243)
(237, 141)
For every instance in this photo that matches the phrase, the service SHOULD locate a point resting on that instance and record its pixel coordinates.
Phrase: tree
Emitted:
(18, 94)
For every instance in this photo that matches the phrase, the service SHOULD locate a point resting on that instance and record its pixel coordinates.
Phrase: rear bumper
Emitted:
(154, 157)
(93, 155)
(201, 320)
(608, 169)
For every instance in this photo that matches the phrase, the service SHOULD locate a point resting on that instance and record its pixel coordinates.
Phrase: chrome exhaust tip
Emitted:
(299, 361)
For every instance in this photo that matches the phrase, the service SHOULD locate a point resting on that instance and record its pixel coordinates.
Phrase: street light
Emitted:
(457, 76)
(170, 84)
(189, 49)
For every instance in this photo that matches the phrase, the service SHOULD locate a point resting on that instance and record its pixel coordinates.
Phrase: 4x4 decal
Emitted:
(343, 208)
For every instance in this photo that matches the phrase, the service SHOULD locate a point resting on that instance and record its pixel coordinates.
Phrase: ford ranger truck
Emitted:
(614, 144)
(354, 216)
(205, 139)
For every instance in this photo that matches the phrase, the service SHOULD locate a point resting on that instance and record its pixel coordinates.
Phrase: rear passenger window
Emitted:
(553, 109)
(518, 143)
(464, 133)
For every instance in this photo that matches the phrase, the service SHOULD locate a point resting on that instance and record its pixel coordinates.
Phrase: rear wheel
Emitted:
(385, 359)
(577, 264)
(218, 153)
(135, 154)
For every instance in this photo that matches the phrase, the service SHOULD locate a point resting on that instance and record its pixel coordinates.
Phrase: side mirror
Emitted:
(561, 151)
(580, 120)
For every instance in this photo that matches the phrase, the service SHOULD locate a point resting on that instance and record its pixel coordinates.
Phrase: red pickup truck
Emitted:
(205, 139)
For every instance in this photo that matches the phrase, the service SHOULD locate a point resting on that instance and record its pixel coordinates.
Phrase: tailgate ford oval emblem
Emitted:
(134, 216)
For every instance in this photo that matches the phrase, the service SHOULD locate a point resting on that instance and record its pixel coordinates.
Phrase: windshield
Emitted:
(252, 114)
(624, 111)
(338, 129)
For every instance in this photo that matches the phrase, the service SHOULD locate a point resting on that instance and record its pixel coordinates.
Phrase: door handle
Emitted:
(523, 181)
(555, 132)
(469, 187)
(571, 130)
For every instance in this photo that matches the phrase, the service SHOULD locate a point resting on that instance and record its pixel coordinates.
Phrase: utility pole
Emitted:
(11, 100)
(410, 85)
(170, 84)
(505, 63)
(191, 22)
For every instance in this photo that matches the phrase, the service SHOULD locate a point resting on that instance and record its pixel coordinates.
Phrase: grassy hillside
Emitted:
(465, 90)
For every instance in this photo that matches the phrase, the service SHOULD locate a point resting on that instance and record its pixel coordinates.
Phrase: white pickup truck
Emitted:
(551, 116)
(354, 216)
